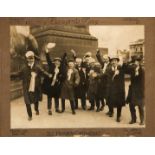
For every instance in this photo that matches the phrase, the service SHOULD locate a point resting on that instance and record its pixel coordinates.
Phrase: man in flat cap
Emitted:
(71, 80)
(52, 86)
(31, 76)
(116, 88)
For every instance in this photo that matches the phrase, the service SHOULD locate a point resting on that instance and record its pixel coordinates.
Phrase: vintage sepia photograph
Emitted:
(77, 76)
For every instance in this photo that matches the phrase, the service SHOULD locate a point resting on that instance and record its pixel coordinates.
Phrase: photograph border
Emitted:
(149, 24)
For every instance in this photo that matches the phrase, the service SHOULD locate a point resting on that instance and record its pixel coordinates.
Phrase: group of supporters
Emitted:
(81, 79)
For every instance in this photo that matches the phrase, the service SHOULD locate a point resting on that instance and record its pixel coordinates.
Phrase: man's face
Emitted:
(57, 63)
(78, 63)
(30, 59)
(106, 58)
(114, 62)
(136, 62)
(71, 65)
(92, 64)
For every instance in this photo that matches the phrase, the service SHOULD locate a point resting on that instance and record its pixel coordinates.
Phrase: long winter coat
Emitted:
(25, 75)
(116, 88)
(136, 89)
(103, 85)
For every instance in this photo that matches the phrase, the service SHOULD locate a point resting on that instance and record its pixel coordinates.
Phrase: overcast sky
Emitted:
(117, 37)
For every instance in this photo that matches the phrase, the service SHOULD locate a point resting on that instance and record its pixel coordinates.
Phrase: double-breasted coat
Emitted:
(25, 75)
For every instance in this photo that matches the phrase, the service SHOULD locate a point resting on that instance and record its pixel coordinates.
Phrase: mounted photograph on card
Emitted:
(71, 76)
(77, 76)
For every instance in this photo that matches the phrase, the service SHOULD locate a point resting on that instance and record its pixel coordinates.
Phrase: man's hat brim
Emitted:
(114, 59)
(57, 59)
(71, 60)
(136, 58)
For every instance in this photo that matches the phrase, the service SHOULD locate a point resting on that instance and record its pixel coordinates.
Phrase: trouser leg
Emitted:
(49, 103)
(63, 104)
(36, 106)
(133, 112)
(102, 102)
(83, 102)
(29, 110)
(141, 113)
(119, 110)
(72, 103)
(56, 100)
(111, 109)
(98, 104)
(76, 103)
(92, 102)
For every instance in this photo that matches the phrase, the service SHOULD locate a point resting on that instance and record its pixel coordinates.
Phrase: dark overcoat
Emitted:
(48, 89)
(81, 89)
(68, 86)
(116, 88)
(103, 83)
(25, 75)
(136, 88)
(92, 88)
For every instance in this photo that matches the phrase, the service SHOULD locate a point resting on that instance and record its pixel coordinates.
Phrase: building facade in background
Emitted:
(137, 48)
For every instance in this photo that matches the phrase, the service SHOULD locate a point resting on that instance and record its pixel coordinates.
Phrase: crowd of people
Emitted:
(76, 79)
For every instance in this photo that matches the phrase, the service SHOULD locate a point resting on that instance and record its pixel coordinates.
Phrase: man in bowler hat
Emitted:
(136, 89)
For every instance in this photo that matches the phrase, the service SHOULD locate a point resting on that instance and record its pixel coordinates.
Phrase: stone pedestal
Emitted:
(66, 38)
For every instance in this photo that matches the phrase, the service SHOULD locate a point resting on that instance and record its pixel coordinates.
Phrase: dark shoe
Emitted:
(84, 108)
(37, 112)
(58, 111)
(73, 112)
(63, 110)
(29, 118)
(98, 110)
(132, 122)
(110, 114)
(141, 123)
(50, 112)
(118, 120)
(91, 108)
(102, 107)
